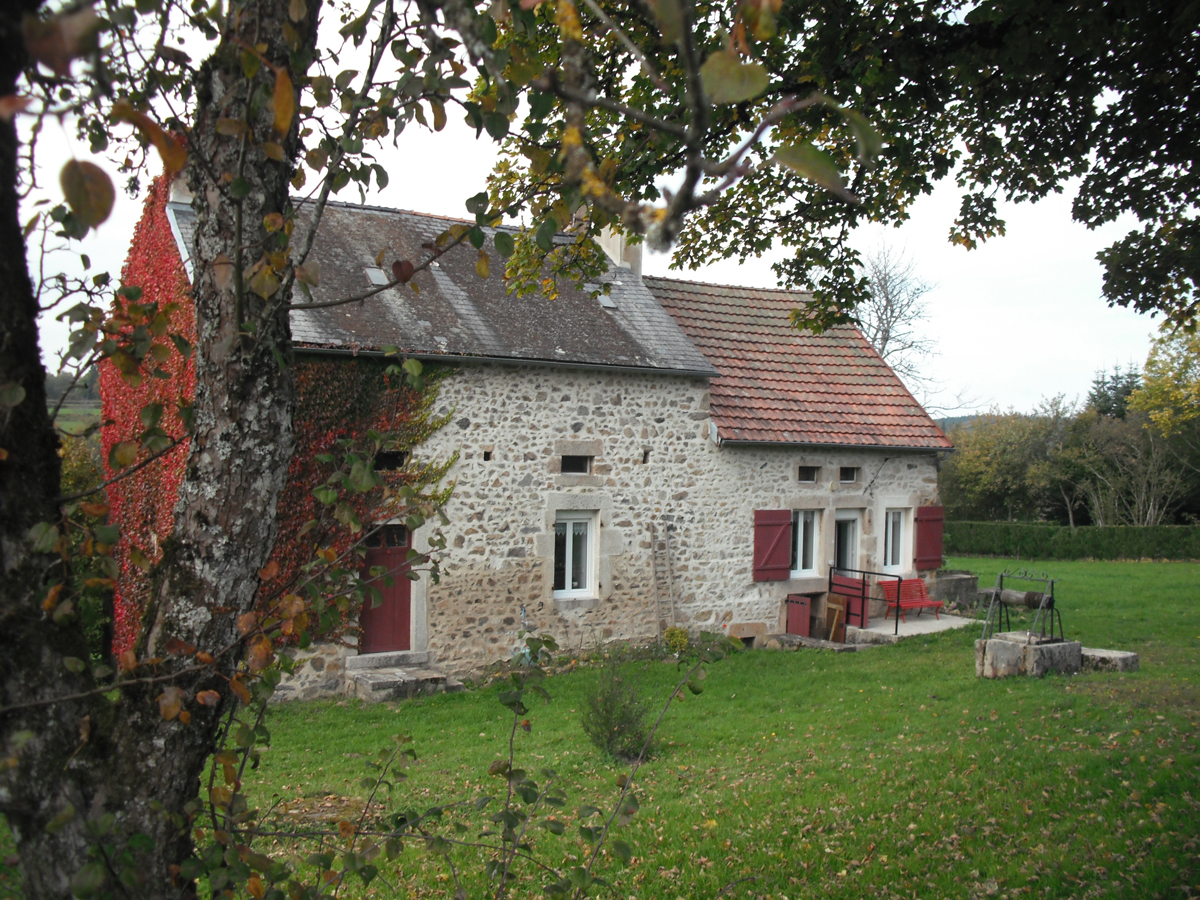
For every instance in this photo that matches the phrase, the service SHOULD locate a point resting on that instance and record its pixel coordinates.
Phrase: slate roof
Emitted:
(778, 385)
(457, 314)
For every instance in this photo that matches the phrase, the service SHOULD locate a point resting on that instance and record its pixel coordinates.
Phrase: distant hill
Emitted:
(954, 421)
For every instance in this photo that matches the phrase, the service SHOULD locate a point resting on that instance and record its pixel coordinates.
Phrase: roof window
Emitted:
(376, 275)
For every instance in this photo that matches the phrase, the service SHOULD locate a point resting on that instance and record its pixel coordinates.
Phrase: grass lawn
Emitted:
(890, 772)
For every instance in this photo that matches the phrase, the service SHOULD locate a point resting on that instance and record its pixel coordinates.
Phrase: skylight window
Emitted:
(376, 275)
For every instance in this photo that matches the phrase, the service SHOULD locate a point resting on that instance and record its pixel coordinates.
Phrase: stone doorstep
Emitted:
(397, 684)
(1109, 660)
(856, 635)
(388, 660)
(796, 641)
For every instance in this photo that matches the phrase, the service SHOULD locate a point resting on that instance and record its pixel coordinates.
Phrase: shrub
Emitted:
(676, 639)
(1035, 541)
(614, 718)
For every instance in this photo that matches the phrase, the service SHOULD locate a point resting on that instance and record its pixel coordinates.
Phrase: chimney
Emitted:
(628, 256)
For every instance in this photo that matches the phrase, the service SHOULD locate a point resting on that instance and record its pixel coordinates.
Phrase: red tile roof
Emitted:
(779, 385)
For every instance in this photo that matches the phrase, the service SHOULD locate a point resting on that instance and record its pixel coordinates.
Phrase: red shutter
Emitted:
(929, 538)
(772, 544)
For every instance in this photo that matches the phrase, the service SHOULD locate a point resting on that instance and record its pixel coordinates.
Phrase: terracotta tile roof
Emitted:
(778, 385)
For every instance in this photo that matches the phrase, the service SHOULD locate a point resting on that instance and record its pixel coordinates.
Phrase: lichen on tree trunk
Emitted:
(81, 760)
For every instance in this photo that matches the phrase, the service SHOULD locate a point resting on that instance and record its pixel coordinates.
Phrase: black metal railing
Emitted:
(863, 591)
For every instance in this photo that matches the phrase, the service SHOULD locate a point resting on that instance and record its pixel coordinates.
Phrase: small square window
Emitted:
(849, 474)
(576, 465)
(376, 275)
(808, 474)
(390, 460)
(487, 455)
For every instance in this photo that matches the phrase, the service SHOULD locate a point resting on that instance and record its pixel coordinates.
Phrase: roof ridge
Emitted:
(732, 287)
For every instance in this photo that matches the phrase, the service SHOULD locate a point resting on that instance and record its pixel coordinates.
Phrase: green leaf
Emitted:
(727, 79)
(326, 495)
(151, 415)
(554, 826)
(629, 806)
(815, 165)
(496, 124)
(544, 237)
(670, 19)
(239, 189)
(11, 395)
(88, 881)
(622, 851)
(477, 203)
(505, 245)
(362, 477)
(108, 534)
(74, 664)
(44, 537)
(88, 190)
(866, 135)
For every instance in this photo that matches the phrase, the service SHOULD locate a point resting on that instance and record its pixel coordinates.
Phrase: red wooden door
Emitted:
(388, 626)
(799, 609)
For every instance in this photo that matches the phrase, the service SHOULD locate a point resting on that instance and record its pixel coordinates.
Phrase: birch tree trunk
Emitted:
(91, 773)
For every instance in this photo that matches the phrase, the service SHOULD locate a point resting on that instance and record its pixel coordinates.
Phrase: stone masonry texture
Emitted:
(655, 470)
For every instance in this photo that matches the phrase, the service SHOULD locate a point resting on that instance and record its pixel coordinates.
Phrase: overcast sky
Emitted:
(1019, 319)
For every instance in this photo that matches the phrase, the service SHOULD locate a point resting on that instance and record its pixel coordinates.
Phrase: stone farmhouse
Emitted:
(673, 453)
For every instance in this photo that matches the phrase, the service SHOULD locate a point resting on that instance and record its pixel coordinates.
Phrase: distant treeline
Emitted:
(1024, 541)
(87, 390)
(1129, 456)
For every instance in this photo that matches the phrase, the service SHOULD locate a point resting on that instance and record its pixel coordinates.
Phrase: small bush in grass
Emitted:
(614, 718)
(676, 639)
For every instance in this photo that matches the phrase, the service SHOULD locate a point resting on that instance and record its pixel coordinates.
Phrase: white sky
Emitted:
(1016, 320)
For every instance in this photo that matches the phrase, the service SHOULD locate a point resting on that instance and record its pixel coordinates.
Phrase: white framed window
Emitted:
(894, 546)
(575, 553)
(806, 528)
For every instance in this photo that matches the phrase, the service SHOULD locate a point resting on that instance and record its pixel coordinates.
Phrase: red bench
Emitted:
(912, 595)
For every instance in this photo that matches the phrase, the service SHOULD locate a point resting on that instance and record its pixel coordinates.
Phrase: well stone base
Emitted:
(1017, 653)
(1109, 660)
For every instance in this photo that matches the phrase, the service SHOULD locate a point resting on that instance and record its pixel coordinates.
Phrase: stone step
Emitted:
(1109, 660)
(796, 641)
(392, 683)
(389, 660)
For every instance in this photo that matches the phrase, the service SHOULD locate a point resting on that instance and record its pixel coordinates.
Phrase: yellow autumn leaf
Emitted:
(285, 102)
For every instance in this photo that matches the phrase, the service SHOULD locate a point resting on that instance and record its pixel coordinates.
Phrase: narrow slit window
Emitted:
(576, 465)
(645, 457)
(487, 455)
(893, 539)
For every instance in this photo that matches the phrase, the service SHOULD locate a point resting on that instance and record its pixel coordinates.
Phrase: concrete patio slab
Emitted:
(883, 631)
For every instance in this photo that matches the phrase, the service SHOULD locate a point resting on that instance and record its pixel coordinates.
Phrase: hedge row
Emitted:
(1060, 542)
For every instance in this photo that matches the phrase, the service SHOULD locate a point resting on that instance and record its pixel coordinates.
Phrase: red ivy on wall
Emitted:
(336, 400)
(143, 503)
(339, 400)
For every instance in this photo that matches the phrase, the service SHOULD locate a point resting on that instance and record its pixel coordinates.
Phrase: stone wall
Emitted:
(655, 469)
(320, 672)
